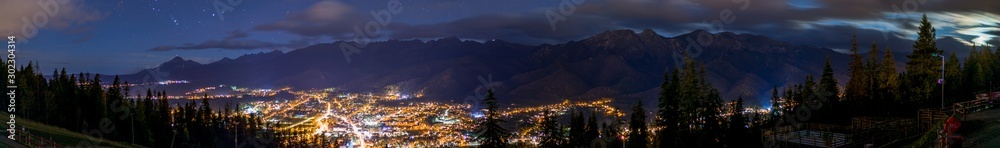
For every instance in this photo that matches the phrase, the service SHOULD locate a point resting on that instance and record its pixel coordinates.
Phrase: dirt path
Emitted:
(982, 129)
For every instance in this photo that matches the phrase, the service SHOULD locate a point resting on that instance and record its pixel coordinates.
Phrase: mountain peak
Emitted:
(450, 39)
(648, 32)
(178, 63)
(695, 33)
(615, 33)
(615, 37)
(177, 59)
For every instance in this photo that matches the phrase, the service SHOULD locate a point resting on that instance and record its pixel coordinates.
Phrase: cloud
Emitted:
(327, 11)
(325, 18)
(517, 28)
(245, 44)
(236, 34)
(24, 18)
(808, 22)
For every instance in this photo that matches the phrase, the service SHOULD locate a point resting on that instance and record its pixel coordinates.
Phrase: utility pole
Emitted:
(941, 81)
(132, 122)
(236, 137)
(172, 138)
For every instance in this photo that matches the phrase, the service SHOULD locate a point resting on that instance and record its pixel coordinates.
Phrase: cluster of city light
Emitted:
(201, 93)
(200, 90)
(165, 82)
(603, 105)
(532, 126)
(390, 118)
(369, 119)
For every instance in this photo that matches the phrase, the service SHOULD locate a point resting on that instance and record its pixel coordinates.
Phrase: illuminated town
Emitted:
(392, 119)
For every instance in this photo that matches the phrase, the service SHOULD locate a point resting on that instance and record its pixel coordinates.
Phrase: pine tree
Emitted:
(827, 83)
(551, 134)
(613, 133)
(890, 79)
(988, 59)
(776, 105)
(699, 106)
(593, 130)
(491, 134)
(638, 133)
(923, 68)
(713, 121)
(856, 87)
(576, 130)
(809, 91)
(872, 70)
(973, 72)
(668, 113)
(953, 77)
(827, 92)
(737, 135)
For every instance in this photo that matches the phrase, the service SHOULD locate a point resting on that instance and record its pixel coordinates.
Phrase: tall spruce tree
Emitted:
(738, 130)
(551, 132)
(827, 83)
(856, 87)
(593, 130)
(953, 79)
(923, 68)
(668, 113)
(491, 134)
(890, 78)
(638, 135)
(576, 130)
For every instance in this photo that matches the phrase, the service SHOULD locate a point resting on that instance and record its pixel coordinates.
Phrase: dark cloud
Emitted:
(236, 34)
(827, 24)
(529, 29)
(69, 14)
(246, 44)
(325, 18)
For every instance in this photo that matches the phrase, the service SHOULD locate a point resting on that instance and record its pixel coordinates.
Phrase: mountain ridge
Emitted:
(614, 64)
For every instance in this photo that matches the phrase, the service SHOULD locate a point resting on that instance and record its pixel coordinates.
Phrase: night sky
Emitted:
(123, 36)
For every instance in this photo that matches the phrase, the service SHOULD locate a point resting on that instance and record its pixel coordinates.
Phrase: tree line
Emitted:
(877, 88)
(79, 102)
(689, 115)
(689, 109)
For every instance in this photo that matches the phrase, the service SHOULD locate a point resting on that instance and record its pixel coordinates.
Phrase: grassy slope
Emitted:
(59, 135)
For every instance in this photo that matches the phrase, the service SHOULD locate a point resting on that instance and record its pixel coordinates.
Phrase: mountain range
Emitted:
(619, 64)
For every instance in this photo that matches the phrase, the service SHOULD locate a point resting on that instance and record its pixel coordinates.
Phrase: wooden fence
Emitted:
(31, 140)
(863, 131)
